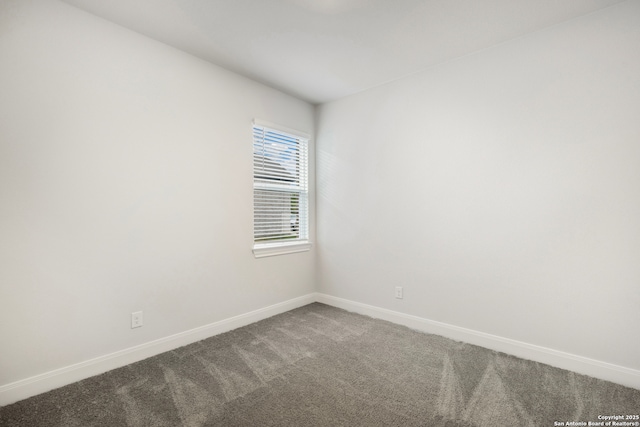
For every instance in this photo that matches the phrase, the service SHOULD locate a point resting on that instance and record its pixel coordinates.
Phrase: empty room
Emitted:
(319, 213)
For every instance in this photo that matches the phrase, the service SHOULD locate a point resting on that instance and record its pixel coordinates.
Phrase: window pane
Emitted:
(280, 186)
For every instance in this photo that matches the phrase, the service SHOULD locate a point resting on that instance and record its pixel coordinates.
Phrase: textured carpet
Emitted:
(322, 366)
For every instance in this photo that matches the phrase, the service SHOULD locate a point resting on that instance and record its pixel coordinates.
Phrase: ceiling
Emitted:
(322, 50)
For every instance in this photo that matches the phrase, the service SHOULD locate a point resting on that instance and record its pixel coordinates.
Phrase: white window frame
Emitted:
(301, 243)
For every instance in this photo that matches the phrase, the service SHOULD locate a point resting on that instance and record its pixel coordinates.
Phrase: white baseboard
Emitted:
(32, 386)
(582, 365)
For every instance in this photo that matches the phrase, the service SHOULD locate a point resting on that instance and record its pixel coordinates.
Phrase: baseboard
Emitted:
(32, 386)
(23, 389)
(582, 365)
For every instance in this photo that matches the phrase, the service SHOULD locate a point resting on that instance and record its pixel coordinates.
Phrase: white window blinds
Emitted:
(280, 186)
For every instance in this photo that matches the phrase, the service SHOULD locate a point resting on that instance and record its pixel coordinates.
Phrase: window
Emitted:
(280, 191)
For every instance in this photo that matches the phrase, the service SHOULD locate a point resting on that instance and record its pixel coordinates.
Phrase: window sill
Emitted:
(271, 249)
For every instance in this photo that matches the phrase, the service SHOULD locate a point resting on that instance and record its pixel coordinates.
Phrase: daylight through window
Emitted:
(280, 187)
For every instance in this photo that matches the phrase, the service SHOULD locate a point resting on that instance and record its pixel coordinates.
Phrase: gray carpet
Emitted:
(322, 366)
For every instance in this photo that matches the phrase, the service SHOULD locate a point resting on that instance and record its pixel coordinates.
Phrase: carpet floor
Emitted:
(322, 366)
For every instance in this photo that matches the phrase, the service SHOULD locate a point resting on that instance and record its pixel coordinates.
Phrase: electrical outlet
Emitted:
(399, 292)
(136, 319)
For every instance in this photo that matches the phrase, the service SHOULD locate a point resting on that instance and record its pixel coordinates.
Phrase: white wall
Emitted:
(125, 185)
(502, 190)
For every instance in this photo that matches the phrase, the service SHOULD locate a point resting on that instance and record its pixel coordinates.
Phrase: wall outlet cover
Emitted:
(136, 319)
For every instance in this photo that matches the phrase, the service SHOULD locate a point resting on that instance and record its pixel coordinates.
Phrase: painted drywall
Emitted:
(125, 185)
(501, 190)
